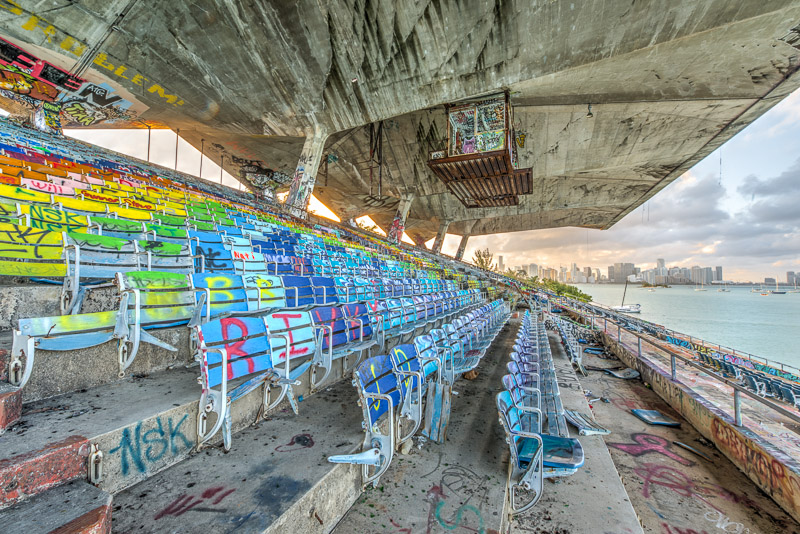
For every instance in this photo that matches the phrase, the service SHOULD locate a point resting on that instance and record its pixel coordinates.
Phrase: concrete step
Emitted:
(275, 479)
(141, 425)
(23, 301)
(56, 372)
(10, 405)
(75, 508)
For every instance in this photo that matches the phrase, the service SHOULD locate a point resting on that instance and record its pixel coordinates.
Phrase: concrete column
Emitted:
(305, 175)
(399, 222)
(437, 243)
(463, 245)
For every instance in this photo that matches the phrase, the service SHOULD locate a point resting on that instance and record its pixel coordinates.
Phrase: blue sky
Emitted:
(749, 222)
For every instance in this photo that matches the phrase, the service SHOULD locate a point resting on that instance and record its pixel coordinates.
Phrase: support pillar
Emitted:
(437, 243)
(464, 238)
(399, 222)
(462, 247)
(305, 174)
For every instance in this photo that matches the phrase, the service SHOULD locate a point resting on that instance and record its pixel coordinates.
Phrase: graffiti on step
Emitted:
(140, 449)
(210, 497)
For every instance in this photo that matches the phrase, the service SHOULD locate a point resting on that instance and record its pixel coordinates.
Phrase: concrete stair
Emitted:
(275, 479)
(75, 508)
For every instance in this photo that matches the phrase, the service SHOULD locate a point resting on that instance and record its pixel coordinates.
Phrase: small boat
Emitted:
(651, 290)
(630, 308)
(795, 290)
(777, 291)
(724, 288)
(701, 288)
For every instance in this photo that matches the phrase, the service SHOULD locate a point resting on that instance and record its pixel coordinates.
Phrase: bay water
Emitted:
(765, 326)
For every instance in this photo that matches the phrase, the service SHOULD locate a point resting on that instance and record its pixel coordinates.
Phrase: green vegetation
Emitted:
(483, 259)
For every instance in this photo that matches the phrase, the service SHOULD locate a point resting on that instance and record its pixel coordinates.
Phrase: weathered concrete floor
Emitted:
(460, 486)
(768, 424)
(673, 490)
(269, 469)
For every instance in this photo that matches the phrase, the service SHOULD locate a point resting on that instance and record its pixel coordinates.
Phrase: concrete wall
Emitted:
(771, 469)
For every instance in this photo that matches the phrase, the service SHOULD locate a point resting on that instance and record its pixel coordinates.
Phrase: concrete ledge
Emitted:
(36, 471)
(772, 470)
(275, 479)
(141, 425)
(76, 508)
(10, 405)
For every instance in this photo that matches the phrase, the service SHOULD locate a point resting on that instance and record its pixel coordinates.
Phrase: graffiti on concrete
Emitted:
(139, 450)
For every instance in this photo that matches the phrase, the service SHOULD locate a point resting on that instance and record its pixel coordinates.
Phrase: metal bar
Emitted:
(780, 409)
(639, 342)
(672, 366)
(737, 407)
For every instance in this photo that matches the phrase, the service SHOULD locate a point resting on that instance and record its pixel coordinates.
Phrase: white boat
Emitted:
(724, 288)
(630, 308)
(701, 288)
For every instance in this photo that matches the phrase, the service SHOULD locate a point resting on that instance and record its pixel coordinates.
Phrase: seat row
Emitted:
(238, 355)
(757, 382)
(532, 417)
(411, 386)
(162, 299)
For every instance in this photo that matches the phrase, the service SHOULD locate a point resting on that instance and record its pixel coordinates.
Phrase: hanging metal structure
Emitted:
(479, 164)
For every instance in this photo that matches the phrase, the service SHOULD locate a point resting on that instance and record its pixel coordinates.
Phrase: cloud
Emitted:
(691, 222)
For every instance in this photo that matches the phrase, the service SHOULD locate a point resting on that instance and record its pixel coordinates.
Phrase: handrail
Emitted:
(704, 343)
(737, 409)
(737, 389)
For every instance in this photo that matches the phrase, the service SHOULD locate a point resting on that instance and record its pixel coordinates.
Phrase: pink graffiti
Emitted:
(647, 443)
(184, 503)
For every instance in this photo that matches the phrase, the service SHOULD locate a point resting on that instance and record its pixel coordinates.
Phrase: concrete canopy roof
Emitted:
(668, 84)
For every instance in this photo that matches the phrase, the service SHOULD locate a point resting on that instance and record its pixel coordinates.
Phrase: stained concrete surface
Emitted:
(459, 486)
(73, 507)
(673, 490)
(276, 471)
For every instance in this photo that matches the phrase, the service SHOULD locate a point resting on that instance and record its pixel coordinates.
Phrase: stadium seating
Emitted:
(532, 416)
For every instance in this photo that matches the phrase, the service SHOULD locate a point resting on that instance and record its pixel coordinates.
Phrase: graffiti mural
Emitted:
(261, 177)
(93, 104)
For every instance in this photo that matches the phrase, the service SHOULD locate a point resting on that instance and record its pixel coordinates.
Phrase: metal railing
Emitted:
(674, 357)
(784, 367)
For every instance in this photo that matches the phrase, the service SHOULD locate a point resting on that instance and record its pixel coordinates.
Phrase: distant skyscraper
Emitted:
(790, 277)
(500, 264)
(718, 273)
(660, 263)
(622, 271)
(533, 270)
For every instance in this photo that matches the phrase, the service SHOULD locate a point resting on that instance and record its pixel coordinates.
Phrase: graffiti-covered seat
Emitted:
(157, 300)
(381, 395)
(338, 337)
(252, 353)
